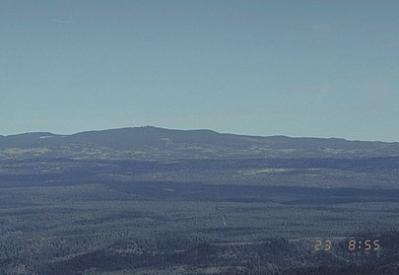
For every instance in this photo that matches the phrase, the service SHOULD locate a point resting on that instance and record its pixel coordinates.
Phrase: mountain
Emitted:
(153, 143)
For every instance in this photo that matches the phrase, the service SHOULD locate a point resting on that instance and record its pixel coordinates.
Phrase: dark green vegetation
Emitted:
(151, 143)
(204, 203)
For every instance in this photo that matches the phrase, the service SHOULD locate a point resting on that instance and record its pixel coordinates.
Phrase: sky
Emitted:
(298, 68)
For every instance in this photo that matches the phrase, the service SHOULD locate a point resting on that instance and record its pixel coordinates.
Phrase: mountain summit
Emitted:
(153, 143)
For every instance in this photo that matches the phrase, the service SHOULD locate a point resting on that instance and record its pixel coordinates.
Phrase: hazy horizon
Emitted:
(294, 68)
(190, 129)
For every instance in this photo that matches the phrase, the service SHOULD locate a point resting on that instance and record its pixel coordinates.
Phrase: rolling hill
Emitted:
(153, 143)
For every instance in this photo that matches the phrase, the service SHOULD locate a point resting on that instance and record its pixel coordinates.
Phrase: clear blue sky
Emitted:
(300, 68)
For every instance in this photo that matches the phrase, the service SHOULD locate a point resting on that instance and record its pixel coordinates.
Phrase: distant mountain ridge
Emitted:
(159, 143)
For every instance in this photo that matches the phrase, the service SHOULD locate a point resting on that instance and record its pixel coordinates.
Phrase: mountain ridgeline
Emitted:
(153, 143)
(156, 201)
